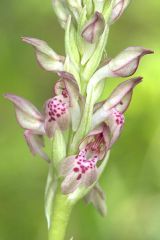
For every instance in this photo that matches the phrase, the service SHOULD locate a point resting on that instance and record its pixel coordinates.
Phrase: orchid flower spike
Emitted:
(81, 129)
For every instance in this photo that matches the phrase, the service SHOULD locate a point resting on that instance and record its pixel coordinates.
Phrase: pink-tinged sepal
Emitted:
(122, 94)
(97, 197)
(27, 114)
(118, 9)
(94, 28)
(35, 143)
(46, 57)
(56, 114)
(126, 63)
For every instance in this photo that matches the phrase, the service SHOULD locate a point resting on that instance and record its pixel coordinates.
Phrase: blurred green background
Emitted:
(132, 178)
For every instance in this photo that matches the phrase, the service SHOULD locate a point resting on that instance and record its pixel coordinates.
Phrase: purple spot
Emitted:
(79, 177)
(76, 169)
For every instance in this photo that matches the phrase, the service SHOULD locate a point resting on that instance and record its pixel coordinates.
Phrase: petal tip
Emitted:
(138, 79)
(32, 41)
(26, 39)
(148, 51)
(9, 96)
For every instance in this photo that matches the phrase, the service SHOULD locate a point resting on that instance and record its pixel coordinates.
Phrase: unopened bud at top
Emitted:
(94, 28)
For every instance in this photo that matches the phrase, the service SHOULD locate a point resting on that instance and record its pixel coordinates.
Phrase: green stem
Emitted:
(62, 208)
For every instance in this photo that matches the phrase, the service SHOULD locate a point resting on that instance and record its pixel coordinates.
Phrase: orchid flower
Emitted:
(56, 115)
(81, 128)
(81, 169)
(117, 103)
(30, 119)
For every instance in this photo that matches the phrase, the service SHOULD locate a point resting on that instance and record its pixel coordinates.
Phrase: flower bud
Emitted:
(124, 65)
(94, 28)
(118, 8)
(47, 58)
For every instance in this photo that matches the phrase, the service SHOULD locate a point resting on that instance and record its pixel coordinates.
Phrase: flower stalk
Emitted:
(81, 128)
(62, 208)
